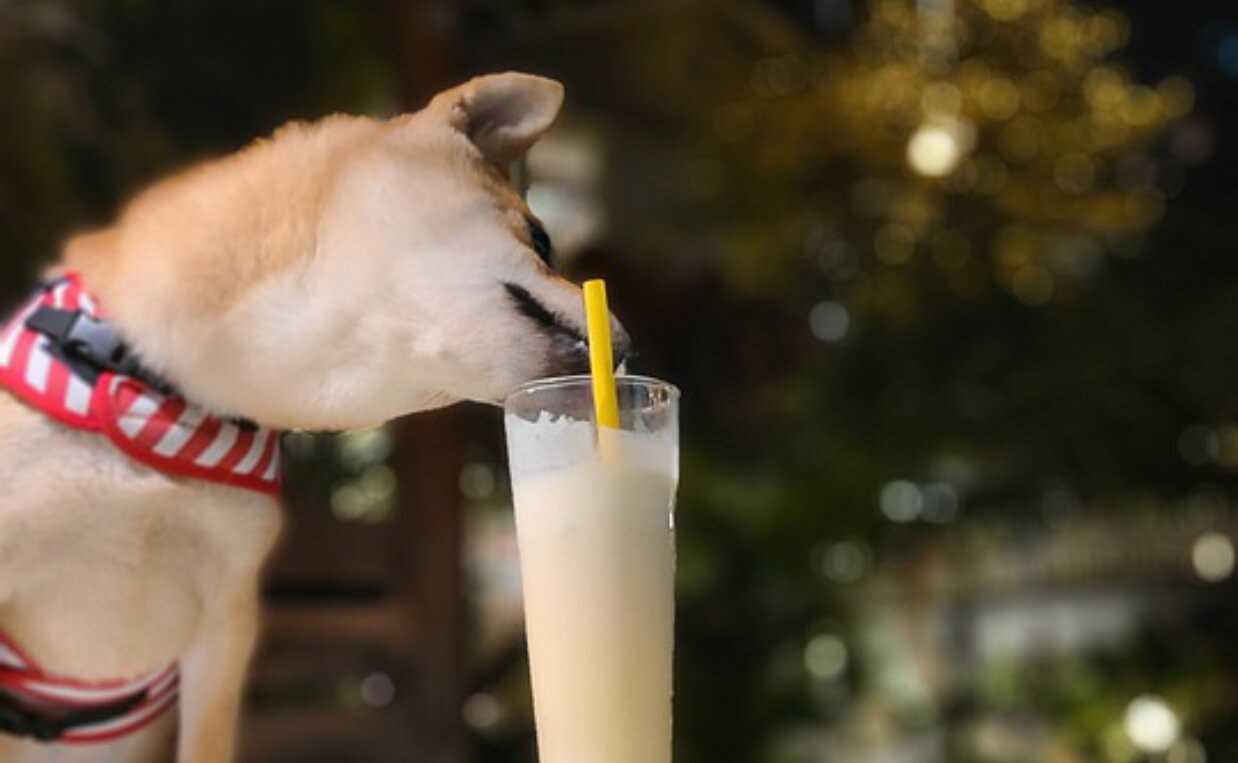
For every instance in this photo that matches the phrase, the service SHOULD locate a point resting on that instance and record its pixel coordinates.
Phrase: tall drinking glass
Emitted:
(596, 533)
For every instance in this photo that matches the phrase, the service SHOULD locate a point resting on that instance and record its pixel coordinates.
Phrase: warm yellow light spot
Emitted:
(1151, 725)
(1006, 10)
(935, 150)
(1142, 106)
(1107, 31)
(1105, 88)
(1060, 38)
(1212, 556)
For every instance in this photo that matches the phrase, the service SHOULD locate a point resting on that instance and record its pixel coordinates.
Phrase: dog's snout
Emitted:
(569, 350)
(531, 308)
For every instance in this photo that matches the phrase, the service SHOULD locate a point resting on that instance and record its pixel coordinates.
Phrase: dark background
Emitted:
(959, 451)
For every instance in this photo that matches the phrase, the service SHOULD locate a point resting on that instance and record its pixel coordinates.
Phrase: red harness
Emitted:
(159, 430)
(52, 699)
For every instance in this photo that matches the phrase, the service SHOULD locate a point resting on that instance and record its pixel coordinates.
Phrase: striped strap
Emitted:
(161, 696)
(165, 433)
(30, 370)
(161, 431)
(151, 695)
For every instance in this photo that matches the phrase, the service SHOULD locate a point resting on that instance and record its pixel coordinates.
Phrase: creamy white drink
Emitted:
(597, 550)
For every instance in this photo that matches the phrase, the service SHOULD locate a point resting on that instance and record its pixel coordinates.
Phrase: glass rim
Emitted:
(576, 380)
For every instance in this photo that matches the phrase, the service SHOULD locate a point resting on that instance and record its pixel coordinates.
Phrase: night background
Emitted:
(950, 290)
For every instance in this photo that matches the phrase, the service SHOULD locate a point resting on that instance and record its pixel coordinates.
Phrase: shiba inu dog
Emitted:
(336, 275)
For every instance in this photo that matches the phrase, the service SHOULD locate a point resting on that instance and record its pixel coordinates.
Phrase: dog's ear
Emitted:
(502, 114)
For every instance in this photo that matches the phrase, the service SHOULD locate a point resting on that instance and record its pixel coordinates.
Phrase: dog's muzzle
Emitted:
(569, 350)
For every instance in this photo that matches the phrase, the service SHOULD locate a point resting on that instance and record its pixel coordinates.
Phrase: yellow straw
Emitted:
(601, 357)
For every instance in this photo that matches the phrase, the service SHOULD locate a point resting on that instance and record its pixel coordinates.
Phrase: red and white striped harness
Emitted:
(145, 698)
(159, 430)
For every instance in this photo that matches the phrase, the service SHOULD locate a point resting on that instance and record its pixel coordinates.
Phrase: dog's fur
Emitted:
(334, 276)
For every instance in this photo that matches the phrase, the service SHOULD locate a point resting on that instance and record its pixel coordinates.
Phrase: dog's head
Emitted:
(349, 271)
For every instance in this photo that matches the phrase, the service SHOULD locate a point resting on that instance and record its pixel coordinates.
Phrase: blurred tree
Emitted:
(921, 277)
(100, 97)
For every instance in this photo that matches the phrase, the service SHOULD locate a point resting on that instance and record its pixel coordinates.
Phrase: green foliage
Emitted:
(101, 97)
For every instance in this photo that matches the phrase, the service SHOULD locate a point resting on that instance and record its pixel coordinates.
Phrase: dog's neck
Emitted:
(92, 259)
(186, 271)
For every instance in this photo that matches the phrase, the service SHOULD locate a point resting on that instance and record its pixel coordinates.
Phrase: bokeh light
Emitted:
(377, 690)
(829, 321)
(1187, 751)
(935, 149)
(1151, 724)
(1212, 556)
(825, 656)
(901, 501)
(482, 711)
(844, 562)
(946, 291)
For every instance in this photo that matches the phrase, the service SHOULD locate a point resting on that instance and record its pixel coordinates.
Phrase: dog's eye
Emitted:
(541, 240)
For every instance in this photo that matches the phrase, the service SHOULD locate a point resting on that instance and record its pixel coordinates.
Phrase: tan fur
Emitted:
(230, 203)
(334, 275)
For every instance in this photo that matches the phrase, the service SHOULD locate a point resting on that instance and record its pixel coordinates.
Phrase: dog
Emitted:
(334, 276)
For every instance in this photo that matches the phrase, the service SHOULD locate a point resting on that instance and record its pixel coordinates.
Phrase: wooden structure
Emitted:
(364, 650)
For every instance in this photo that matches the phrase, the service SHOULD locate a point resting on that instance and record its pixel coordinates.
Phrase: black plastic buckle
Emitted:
(90, 346)
(14, 720)
(81, 334)
(18, 722)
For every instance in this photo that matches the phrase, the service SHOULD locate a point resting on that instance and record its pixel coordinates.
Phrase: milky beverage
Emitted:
(597, 554)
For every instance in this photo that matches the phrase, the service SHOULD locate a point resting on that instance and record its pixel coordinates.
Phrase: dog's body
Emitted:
(335, 276)
(109, 570)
